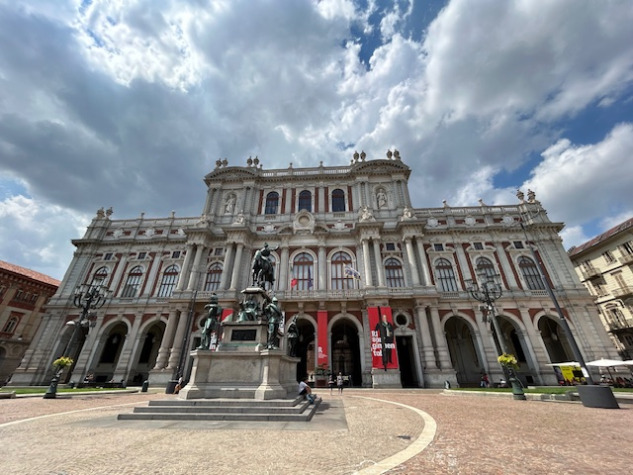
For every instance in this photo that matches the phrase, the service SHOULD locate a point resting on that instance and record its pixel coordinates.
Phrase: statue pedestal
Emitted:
(242, 367)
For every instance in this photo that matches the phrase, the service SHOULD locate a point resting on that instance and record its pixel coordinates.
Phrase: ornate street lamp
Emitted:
(487, 292)
(87, 297)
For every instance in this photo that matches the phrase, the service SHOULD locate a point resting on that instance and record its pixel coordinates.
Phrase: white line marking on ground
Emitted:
(417, 446)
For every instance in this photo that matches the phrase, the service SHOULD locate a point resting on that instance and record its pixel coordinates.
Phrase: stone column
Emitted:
(174, 356)
(440, 340)
(380, 271)
(284, 265)
(195, 271)
(411, 260)
(425, 268)
(236, 267)
(228, 256)
(184, 274)
(322, 267)
(168, 340)
(367, 262)
(425, 333)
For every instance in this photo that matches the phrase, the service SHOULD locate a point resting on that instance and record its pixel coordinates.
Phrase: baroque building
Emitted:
(347, 246)
(603, 264)
(23, 294)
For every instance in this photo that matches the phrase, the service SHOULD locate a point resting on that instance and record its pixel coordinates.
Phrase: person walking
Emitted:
(339, 382)
(330, 383)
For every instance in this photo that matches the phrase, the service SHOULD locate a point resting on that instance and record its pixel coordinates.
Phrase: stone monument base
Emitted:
(262, 375)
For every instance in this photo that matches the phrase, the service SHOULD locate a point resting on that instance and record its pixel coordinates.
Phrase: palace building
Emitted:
(348, 247)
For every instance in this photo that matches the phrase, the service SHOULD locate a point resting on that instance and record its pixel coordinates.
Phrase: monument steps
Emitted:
(292, 410)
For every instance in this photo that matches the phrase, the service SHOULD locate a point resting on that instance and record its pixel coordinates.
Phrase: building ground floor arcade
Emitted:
(437, 339)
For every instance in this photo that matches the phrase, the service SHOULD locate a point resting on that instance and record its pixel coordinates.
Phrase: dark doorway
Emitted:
(408, 378)
(305, 348)
(346, 351)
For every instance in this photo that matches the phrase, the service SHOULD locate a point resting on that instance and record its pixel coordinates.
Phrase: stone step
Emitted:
(228, 402)
(222, 409)
(207, 412)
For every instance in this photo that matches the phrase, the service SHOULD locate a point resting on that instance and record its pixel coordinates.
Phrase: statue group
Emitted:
(211, 323)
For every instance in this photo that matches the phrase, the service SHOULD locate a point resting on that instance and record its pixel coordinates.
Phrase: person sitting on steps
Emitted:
(305, 390)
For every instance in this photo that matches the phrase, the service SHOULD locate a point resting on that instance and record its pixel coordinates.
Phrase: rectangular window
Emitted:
(627, 248)
(141, 255)
(175, 255)
(218, 251)
(608, 257)
(390, 246)
(518, 244)
(438, 247)
(479, 246)
(107, 256)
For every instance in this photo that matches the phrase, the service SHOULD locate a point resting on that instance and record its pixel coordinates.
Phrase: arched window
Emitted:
(302, 271)
(133, 282)
(445, 275)
(338, 200)
(485, 268)
(305, 201)
(272, 203)
(214, 274)
(393, 273)
(168, 283)
(530, 274)
(100, 276)
(11, 325)
(340, 281)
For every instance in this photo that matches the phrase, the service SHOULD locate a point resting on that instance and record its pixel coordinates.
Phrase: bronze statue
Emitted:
(263, 269)
(293, 336)
(274, 316)
(249, 311)
(211, 323)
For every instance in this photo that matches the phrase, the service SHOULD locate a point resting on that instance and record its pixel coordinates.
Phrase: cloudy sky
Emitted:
(129, 104)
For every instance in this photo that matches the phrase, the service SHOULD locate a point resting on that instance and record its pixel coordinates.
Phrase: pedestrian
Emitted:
(305, 390)
(485, 381)
(330, 383)
(339, 382)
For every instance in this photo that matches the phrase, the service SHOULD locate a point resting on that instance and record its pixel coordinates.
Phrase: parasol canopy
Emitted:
(606, 363)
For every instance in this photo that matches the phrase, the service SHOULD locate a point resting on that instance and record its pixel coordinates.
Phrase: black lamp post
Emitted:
(487, 292)
(87, 297)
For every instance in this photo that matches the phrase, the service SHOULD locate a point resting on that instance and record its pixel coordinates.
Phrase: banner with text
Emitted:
(383, 340)
(322, 337)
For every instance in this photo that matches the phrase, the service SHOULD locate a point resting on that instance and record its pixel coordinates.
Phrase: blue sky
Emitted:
(129, 104)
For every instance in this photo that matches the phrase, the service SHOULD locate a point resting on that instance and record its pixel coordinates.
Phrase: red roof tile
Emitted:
(31, 274)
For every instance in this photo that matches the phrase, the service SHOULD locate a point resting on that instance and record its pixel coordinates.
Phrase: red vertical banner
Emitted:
(383, 339)
(322, 350)
(226, 312)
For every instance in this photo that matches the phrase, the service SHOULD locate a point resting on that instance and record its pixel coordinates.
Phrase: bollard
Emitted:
(145, 386)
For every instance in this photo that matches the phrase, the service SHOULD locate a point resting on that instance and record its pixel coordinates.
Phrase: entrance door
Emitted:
(408, 377)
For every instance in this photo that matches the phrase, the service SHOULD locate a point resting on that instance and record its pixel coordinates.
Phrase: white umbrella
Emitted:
(605, 363)
(628, 362)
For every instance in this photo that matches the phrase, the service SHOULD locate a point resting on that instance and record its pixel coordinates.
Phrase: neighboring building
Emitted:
(604, 266)
(326, 226)
(23, 293)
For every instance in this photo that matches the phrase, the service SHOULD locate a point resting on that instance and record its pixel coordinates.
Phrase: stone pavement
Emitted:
(364, 431)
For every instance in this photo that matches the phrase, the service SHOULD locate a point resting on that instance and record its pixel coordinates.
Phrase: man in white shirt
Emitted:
(305, 390)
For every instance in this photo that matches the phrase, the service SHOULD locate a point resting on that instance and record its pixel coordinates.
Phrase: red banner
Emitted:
(383, 339)
(322, 350)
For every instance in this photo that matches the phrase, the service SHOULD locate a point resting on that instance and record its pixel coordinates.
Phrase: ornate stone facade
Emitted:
(348, 240)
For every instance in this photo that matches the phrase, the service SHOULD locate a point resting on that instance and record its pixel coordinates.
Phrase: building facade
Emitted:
(23, 293)
(347, 245)
(603, 264)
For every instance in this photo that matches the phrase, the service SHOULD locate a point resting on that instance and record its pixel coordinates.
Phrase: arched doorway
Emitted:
(147, 352)
(345, 346)
(110, 352)
(463, 354)
(555, 340)
(516, 345)
(305, 347)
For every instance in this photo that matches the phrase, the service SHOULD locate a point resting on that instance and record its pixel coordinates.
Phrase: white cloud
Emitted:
(35, 235)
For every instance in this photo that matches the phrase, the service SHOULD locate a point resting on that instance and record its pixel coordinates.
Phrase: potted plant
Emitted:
(59, 365)
(510, 365)
(320, 375)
